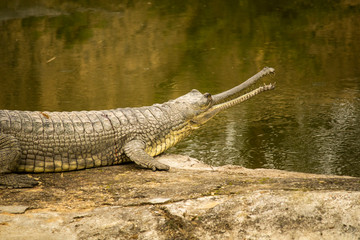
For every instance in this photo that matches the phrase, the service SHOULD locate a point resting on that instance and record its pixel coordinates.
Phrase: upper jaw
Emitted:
(218, 98)
(230, 97)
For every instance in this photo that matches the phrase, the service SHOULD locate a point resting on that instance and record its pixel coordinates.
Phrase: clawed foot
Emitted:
(17, 181)
(160, 166)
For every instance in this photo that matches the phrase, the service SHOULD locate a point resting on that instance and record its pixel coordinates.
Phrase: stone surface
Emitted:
(13, 209)
(191, 201)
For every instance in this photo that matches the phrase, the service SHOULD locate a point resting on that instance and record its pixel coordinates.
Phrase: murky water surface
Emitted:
(71, 55)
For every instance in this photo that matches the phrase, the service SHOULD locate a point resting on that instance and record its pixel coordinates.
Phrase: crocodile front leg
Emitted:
(10, 154)
(135, 150)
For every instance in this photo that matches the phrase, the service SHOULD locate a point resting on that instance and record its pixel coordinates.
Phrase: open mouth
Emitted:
(231, 97)
(229, 94)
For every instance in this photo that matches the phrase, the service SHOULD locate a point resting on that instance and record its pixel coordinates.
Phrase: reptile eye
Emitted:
(208, 98)
(207, 95)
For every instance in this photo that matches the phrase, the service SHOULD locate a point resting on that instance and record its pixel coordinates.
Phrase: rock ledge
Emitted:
(191, 201)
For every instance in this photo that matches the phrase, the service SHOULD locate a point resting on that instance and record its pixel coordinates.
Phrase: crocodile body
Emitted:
(63, 141)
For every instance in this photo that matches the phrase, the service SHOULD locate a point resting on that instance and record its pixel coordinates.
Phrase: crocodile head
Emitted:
(196, 109)
(199, 108)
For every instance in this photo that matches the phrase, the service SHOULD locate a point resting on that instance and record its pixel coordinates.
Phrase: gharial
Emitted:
(34, 141)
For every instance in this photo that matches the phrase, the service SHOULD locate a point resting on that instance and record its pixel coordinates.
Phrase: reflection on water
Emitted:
(66, 55)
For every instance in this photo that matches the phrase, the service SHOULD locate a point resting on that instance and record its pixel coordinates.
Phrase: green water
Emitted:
(85, 55)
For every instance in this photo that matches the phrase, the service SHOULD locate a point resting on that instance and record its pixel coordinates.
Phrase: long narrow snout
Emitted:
(218, 98)
(230, 97)
(222, 106)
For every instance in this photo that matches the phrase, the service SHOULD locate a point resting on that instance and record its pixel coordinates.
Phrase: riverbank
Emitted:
(191, 201)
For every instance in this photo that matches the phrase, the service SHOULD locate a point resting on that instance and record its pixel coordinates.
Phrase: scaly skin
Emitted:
(65, 141)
